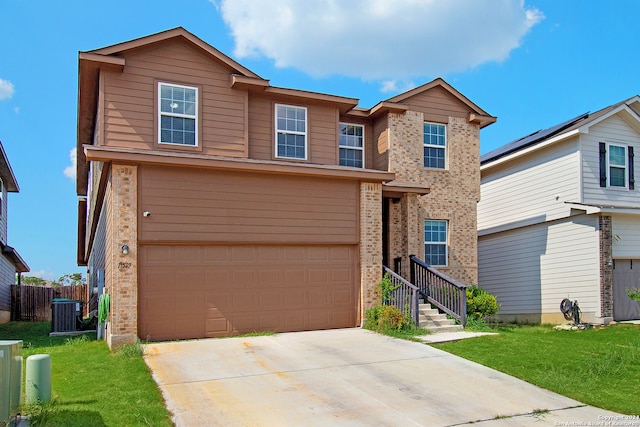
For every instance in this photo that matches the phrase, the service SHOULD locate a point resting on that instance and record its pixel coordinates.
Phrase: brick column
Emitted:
(121, 275)
(370, 243)
(606, 267)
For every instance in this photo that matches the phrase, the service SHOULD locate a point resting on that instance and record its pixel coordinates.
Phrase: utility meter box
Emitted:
(10, 380)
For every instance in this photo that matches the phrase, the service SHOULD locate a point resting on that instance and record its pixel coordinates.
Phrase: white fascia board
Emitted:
(530, 149)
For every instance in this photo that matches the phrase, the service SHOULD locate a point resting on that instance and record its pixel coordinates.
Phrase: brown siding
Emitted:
(130, 108)
(369, 142)
(190, 205)
(437, 105)
(322, 130)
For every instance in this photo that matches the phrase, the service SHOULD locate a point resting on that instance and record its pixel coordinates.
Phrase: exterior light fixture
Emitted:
(125, 249)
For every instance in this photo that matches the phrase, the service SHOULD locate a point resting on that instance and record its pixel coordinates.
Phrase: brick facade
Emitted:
(454, 195)
(370, 243)
(606, 266)
(121, 270)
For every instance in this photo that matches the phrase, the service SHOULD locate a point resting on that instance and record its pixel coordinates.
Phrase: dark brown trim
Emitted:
(120, 155)
(14, 257)
(395, 189)
(82, 231)
(97, 208)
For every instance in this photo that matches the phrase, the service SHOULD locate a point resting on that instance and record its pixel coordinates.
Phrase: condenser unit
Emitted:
(10, 380)
(65, 314)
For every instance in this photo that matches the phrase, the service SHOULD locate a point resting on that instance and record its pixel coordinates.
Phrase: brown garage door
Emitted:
(210, 291)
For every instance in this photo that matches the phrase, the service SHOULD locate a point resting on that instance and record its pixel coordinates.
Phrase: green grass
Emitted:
(91, 386)
(599, 367)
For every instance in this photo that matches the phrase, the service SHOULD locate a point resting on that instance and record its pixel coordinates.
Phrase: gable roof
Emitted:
(178, 32)
(475, 112)
(6, 173)
(578, 124)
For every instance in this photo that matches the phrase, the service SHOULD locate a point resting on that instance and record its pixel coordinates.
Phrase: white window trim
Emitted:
(187, 116)
(2, 201)
(361, 149)
(278, 131)
(444, 147)
(626, 166)
(446, 243)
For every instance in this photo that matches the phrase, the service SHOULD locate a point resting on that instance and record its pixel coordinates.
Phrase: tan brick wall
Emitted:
(455, 190)
(370, 243)
(121, 271)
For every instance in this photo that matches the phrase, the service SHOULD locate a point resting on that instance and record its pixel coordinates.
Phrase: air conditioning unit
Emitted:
(10, 380)
(65, 314)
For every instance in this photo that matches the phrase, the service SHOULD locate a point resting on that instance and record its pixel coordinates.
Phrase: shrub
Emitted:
(480, 303)
(634, 293)
(385, 288)
(385, 318)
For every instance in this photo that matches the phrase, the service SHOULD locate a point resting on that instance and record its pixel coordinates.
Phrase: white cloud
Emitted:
(43, 274)
(378, 39)
(6, 89)
(70, 171)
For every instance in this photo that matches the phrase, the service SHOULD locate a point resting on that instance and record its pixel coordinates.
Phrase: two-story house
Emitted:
(11, 263)
(212, 203)
(559, 217)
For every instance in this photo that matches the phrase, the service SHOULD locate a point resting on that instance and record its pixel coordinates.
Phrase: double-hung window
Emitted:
(351, 145)
(178, 114)
(435, 145)
(291, 132)
(435, 243)
(616, 166)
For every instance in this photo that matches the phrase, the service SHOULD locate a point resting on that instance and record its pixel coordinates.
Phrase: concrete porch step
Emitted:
(435, 322)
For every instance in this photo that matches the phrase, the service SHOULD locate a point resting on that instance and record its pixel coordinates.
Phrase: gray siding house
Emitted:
(11, 263)
(559, 217)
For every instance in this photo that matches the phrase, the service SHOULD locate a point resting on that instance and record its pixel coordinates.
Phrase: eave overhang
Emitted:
(124, 155)
(530, 149)
(343, 103)
(397, 189)
(14, 257)
(602, 209)
(89, 66)
(6, 172)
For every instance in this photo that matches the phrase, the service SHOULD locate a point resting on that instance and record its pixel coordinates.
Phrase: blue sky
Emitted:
(530, 63)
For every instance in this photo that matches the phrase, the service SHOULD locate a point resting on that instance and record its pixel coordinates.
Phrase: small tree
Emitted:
(32, 281)
(72, 279)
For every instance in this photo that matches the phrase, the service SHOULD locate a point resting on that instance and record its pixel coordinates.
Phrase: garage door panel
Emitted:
(281, 288)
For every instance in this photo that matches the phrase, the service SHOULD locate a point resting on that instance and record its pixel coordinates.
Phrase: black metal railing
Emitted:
(404, 296)
(440, 290)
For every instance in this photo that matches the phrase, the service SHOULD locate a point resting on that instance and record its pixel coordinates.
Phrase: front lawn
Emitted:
(599, 367)
(91, 386)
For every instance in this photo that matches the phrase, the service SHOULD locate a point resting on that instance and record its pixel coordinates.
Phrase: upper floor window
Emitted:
(435, 243)
(351, 145)
(291, 132)
(178, 114)
(435, 145)
(1, 196)
(616, 166)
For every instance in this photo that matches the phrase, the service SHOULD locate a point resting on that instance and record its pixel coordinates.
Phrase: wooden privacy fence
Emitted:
(33, 303)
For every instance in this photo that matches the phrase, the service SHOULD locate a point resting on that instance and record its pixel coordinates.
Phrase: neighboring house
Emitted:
(212, 203)
(559, 217)
(11, 263)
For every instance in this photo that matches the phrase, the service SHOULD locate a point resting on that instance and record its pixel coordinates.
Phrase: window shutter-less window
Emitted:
(603, 164)
(631, 179)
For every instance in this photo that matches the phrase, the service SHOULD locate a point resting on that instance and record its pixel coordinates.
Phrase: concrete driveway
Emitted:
(345, 377)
